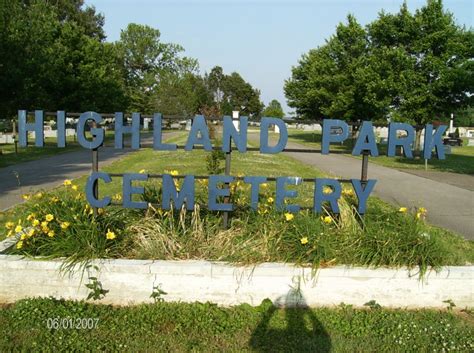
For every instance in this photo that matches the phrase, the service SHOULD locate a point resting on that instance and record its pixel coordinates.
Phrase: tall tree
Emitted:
(327, 82)
(55, 61)
(273, 109)
(215, 81)
(434, 74)
(84, 16)
(184, 95)
(144, 59)
(410, 67)
(240, 95)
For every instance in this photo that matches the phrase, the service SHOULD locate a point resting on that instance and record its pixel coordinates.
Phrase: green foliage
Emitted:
(157, 294)
(61, 224)
(232, 92)
(327, 81)
(208, 327)
(95, 286)
(214, 162)
(372, 304)
(146, 61)
(273, 110)
(410, 67)
(56, 59)
(450, 303)
(181, 94)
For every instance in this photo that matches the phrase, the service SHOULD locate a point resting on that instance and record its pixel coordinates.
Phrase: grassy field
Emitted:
(461, 160)
(179, 327)
(31, 153)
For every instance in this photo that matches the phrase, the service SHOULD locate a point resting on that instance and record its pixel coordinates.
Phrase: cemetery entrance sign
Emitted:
(333, 131)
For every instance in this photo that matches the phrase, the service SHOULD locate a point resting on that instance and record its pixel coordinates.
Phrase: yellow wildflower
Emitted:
(23, 236)
(67, 182)
(44, 224)
(117, 197)
(264, 185)
(289, 216)
(18, 229)
(49, 217)
(51, 233)
(19, 245)
(422, 210)
(326, 219)
(30, 217)
(348, 192)
(65, 225)
(31, 232)
(39, 195)
(45, 230)
(25, 197)
(110, 235)
(74, 187)
(100, 211)
(327, 190)
(9, 225)
(54, 199)
(142, 171)
(174, 172)
(35, 222)
(402, 210)
(270, 200)
(304, 240)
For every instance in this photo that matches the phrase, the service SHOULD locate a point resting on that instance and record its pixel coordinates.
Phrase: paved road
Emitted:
(449, 206)
(50, 172)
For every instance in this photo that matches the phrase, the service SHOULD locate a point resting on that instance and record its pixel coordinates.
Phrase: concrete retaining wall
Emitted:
(132, 281)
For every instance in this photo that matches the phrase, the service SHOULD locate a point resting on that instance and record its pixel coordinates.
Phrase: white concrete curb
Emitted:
(132, 282)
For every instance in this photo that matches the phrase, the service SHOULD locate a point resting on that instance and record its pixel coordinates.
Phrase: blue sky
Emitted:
(260, 39)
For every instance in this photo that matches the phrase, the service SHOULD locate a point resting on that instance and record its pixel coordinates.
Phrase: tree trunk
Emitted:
(417, 152)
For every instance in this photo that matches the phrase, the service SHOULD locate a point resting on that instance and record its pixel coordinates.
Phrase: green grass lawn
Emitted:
(31, 153)
(460, 161)
(180, 327)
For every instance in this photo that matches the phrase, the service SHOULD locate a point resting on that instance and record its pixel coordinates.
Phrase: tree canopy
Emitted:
(54, 56)
(410, 67)
(273, 109)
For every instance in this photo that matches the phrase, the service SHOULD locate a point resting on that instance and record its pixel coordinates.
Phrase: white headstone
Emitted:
(146, 123)
(188, 125)
(235, 117)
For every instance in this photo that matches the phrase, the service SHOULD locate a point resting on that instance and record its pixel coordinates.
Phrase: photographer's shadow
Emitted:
(302, 331)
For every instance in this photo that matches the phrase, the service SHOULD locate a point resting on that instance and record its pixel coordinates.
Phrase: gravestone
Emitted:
(188, 125)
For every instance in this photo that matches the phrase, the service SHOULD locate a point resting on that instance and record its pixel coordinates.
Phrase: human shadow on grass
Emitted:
(302, 331)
